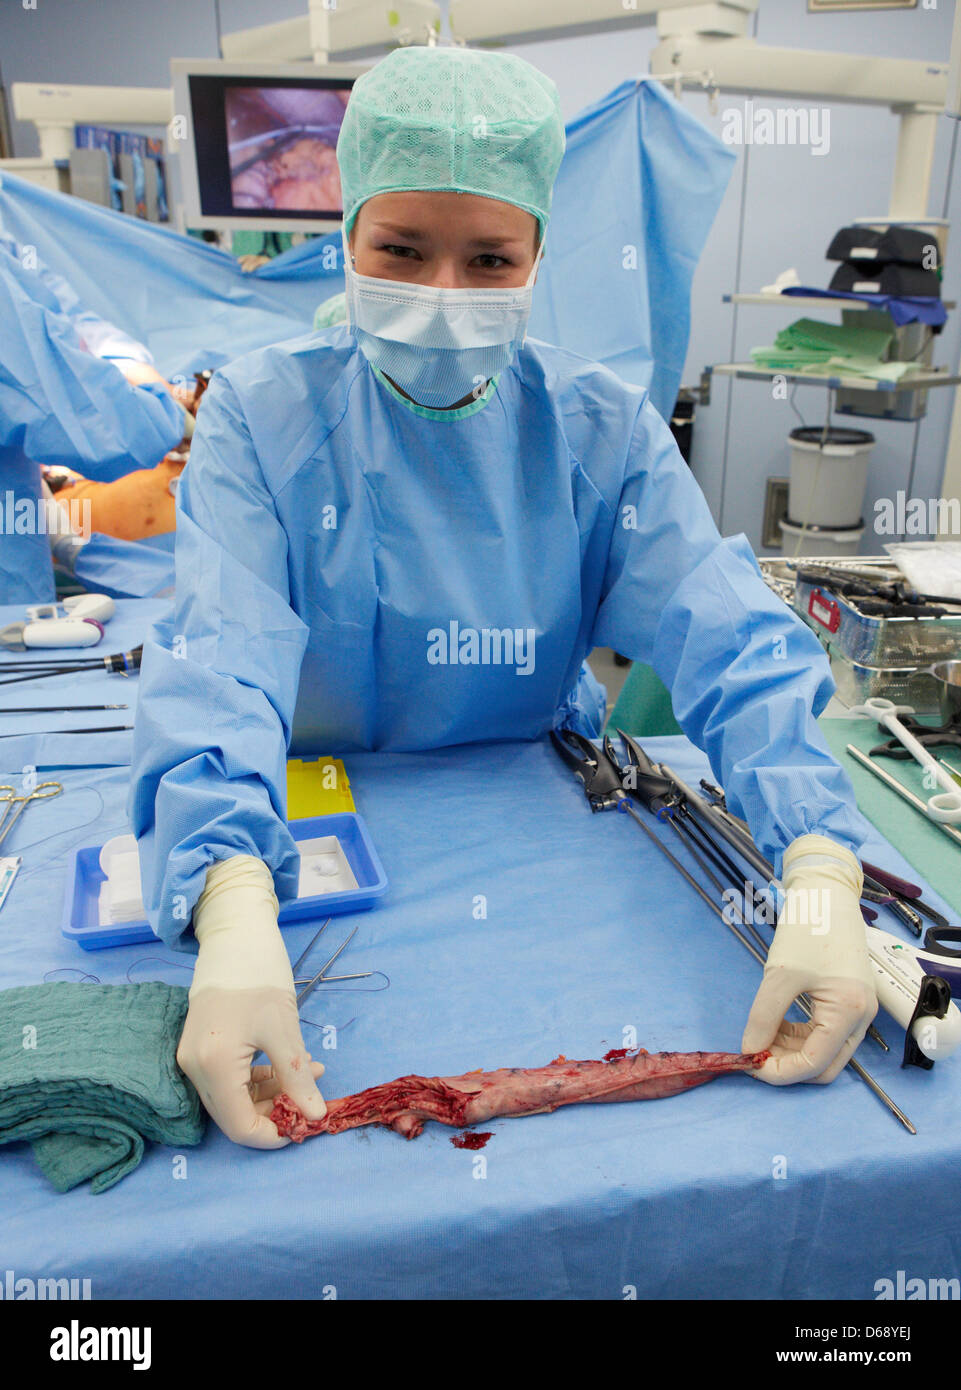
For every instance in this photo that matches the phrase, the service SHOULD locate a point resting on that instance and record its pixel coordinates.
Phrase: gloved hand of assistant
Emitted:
(243, 1001)
(819, 949)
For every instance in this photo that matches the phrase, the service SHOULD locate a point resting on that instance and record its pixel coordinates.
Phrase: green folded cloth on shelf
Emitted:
(926, 848)
(88, 1073)
(871, 367)
(811, 346)
(790, 359)
(839, 339)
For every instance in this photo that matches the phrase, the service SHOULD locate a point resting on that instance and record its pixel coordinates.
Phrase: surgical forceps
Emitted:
(322, 977)
(9, 795)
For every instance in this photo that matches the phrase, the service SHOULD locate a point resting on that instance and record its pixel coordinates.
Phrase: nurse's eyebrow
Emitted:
(414, 234)
(392, 229)
(492, 243)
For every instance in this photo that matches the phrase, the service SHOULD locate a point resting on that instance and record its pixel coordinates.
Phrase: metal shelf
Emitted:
(917, 381)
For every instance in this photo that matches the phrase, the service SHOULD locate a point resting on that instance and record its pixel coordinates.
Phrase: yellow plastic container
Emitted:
(317, 787)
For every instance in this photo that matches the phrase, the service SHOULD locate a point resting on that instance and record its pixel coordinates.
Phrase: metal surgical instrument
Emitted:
(322, 977)
(607, 785)
(10, 817)
(902, 791)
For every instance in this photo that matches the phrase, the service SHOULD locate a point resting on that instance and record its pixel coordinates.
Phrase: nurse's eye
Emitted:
(404, 252)
(488, 261)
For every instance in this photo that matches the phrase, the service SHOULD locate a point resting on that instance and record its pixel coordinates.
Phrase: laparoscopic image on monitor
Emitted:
(281, 145)
(263, 151)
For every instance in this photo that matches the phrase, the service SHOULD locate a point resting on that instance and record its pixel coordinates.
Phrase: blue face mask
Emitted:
(437, 345)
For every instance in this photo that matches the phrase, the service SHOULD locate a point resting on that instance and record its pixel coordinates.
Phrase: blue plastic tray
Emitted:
(81, 901)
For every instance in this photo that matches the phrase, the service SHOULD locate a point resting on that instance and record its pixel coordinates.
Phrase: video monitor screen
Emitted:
(266, 147)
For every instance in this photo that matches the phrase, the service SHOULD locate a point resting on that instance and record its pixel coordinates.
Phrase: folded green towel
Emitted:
(842, 340)
(810, 346)
(88, 1072)
(789, 359)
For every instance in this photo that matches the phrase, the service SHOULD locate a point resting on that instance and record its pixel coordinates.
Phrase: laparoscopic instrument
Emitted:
(880, 885)
(897, 595)
(124, 663)
(900, 970)
(57, 709)
(903, 792)
(45, 627)
(95, 729)
(51, 632)
(699, 825)
(944, 806)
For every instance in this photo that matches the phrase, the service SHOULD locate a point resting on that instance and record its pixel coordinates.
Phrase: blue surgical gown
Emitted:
(61, 404)
(330, 533)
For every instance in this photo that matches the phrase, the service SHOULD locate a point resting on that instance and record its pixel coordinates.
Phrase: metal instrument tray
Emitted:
(870, 640)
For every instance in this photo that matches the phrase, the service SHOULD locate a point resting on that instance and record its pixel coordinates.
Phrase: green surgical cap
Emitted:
(452, 120)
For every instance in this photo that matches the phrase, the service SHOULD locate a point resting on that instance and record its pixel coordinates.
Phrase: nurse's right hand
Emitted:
(243, 1001)
(819, 949)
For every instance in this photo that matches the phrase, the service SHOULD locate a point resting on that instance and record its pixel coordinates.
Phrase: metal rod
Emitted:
(310, 946)
(336, 979)
(873, 1031)
(903, 792)
(881, 1094)
(52, 661)
(748, 926)
(55, 671)
(739, 881)
(122, 662)
(952, 772)
(852, 1063)
(58, 709)
(693, 849)
(736, 875)
(308, 989)
(741, 842)
(102, 729)
(693, 882)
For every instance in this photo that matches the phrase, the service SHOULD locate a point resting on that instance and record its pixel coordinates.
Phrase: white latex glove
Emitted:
(242, 1001)
(819, 949)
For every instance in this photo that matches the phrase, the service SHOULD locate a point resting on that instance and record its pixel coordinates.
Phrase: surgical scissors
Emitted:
(9, 795)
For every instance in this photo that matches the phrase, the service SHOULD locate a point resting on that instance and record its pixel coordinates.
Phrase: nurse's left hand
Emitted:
(819, 949)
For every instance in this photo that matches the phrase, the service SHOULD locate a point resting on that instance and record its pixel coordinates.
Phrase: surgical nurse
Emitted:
(356, 491)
